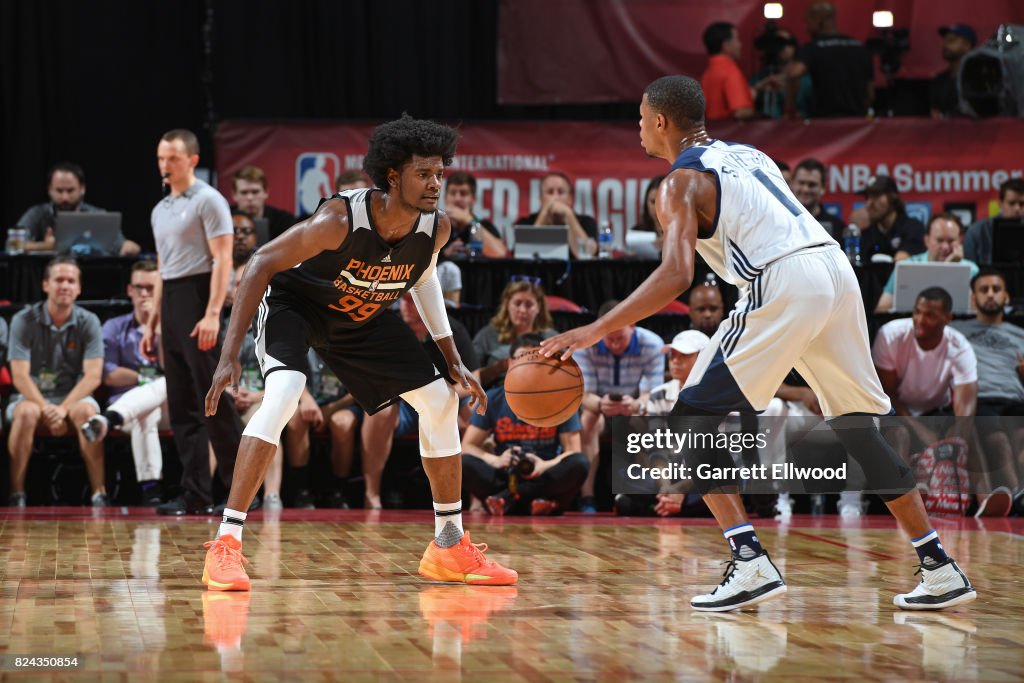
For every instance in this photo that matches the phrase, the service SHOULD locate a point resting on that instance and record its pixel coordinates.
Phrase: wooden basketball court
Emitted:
(336, 597)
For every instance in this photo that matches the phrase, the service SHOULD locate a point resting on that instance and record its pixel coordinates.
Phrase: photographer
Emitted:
(778, 49)
(534, 470)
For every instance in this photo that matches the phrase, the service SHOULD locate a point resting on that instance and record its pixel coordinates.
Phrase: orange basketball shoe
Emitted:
(464, 562)
(224, 570)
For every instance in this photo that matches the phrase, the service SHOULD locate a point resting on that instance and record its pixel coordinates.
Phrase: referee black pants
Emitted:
(189, 374)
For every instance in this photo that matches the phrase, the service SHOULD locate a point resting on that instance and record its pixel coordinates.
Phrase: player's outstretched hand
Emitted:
(570, 341)
(461, 374)
(226, 373)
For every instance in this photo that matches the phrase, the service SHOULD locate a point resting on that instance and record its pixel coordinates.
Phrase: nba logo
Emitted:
(314, 180)
(919, 210)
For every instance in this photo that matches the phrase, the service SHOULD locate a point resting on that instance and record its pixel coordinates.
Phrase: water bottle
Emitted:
(851, 243)
(16, 238)
(476, 240)
(604, 241)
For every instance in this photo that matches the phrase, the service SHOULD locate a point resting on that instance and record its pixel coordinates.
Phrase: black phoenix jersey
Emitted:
(365, 275)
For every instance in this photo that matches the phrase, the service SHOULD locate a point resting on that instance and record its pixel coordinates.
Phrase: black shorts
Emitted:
(377, 362)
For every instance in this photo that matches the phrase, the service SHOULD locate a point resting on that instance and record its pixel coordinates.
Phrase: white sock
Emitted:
(448, 524)
(231, 524)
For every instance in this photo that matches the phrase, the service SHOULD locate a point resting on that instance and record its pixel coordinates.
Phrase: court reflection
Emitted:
(947, 644)
(744, 642)
(458, 615)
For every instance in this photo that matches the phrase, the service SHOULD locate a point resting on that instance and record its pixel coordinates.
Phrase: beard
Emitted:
(990, 308)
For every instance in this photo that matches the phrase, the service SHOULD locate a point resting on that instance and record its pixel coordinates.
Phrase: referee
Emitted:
(194, 238)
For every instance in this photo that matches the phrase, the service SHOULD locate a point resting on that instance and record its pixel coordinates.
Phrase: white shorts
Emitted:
(803, 311)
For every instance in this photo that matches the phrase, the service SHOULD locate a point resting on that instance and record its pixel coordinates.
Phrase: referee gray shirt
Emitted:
(182, 227)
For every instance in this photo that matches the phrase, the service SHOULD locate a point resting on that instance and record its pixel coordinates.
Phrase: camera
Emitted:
(521, 466)
(614, 397)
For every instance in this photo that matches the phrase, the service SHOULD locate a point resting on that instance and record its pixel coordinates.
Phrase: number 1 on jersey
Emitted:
(776, 192)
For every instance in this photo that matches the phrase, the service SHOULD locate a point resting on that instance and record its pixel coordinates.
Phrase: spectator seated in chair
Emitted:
(922, 361)
(618, 374)
(557, 209)
(523, 310)
(491, 474)
(943, 243)
(137, 398)
(56, 357)
(999, 346)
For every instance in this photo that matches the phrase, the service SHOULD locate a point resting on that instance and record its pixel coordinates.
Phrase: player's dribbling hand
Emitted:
(469, 382)
(573, 340)
(226, 373)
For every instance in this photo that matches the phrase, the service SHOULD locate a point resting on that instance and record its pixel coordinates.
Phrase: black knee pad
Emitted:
(699, 421)
(886, 473)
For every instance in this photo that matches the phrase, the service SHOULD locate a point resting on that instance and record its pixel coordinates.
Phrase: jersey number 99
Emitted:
(357, 309)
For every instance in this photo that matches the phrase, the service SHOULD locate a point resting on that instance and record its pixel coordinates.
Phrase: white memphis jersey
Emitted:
(759, 220)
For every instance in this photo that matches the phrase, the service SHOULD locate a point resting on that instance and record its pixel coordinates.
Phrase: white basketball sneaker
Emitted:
(746, 583)
(940, 587)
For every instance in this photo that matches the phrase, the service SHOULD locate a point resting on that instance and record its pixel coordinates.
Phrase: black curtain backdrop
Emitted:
(98, 82)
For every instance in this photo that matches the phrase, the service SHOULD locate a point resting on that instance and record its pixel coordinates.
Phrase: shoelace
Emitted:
(223, 553)
(476, 551)
(730, 569)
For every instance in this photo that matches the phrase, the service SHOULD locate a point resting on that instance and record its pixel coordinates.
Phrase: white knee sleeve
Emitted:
(281, 393)
(438, 406)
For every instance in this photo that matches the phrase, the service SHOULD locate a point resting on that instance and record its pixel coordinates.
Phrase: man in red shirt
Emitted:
(726, 90)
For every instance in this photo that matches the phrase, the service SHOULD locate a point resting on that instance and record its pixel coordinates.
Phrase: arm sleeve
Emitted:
(429, 300)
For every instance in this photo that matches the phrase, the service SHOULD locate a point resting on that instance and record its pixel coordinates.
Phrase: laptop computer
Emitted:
(541, 242)
(88, 233)
(914, 278)
(1007, 240)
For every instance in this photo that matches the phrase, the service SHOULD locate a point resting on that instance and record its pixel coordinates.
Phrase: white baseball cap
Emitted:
(690, 341)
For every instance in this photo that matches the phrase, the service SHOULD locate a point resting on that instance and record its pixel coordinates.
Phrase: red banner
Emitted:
(933, 162)
(557, 51)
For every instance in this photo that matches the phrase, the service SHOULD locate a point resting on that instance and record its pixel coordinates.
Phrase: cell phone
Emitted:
(614, 397)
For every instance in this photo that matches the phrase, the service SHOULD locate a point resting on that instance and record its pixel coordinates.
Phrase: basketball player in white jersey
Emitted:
(799, 307)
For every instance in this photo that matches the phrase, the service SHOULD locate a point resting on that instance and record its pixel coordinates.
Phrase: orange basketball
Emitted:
(544, 392)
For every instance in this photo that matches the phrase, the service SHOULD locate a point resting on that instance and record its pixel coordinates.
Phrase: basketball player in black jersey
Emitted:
(357, 255)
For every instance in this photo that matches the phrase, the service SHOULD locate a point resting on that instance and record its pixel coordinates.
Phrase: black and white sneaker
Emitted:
(941, 587)
(746, 583)
(95, 428)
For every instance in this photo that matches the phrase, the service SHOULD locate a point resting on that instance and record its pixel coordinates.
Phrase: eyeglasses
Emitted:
(532, 279)
(148, 289)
